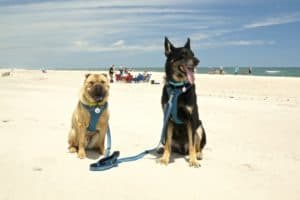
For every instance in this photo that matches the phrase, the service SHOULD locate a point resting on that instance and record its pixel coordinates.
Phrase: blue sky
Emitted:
(57, 33)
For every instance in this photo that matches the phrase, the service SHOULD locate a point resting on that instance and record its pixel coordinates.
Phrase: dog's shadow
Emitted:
(93, 155)
(159, 152)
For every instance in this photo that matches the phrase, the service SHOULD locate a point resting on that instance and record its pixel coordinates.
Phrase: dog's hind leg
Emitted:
(167, 147)
(72, 141)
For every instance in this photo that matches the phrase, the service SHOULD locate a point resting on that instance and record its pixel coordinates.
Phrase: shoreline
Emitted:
(140, 71)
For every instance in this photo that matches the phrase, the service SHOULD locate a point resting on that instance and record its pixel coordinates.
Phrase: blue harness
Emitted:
(176, 89)
(110, 161)
(95, 113)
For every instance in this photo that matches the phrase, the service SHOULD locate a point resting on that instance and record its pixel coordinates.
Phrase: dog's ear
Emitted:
(104, 74)
(187, 44)
(87, 75)
(168, 47)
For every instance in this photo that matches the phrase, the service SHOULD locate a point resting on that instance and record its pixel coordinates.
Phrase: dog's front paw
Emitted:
(72, 149)
(194, 163)
(81, 154)
(199, 156)
(163, 160)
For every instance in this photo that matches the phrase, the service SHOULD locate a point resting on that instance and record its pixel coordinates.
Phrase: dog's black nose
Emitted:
(98, 88)
(196, 61)
(98, 92)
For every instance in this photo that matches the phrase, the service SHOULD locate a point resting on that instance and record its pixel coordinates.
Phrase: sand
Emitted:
(252, 125)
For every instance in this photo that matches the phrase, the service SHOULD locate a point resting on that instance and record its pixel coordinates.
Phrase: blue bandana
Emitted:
(176, 89)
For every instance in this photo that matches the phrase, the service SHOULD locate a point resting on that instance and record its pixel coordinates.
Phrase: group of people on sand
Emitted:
(125, 74)
(237, 71)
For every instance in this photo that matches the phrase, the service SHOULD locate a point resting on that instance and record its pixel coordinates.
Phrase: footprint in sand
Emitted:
(37, 169)
(248, 166)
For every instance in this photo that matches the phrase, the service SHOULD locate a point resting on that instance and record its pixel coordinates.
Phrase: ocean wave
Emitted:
(272, 71)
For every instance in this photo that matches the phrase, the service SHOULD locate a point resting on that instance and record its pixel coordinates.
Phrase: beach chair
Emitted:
(128, 78)
(138, 78)
(147, 78)
(118, 77)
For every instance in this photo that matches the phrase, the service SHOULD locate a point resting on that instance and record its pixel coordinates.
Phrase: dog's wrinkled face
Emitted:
(181, 62)
(96, 87)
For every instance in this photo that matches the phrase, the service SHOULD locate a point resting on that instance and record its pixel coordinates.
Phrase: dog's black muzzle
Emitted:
(196, 61)
(98, 93)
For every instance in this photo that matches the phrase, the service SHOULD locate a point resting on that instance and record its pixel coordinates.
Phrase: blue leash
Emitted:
(110, 161)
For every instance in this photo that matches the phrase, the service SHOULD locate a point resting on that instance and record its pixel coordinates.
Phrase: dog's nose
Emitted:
(98, 88)
(196, 61)
(98, 93)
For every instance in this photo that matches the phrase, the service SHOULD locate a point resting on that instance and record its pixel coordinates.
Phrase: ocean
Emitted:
(256, 71)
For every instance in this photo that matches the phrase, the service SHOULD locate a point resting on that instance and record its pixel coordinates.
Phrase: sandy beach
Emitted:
(252, 125)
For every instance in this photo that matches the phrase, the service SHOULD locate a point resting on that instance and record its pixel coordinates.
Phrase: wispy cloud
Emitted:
(237, 43)
(35, 29)
(85, 46)
(272, 21)
(118, 43)
(57, 24)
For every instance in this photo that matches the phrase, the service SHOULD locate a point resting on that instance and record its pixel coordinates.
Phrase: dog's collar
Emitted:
(177, 84)
(95, 111)
(94, 104)
(183, 86)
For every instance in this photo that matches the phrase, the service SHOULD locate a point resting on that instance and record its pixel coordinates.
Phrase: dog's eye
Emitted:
(91, 82)
(102, 82)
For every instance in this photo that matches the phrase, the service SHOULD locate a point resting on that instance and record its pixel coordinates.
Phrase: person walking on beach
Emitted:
(221, 70)
(250, 70)
(236, 70)
(111, 73)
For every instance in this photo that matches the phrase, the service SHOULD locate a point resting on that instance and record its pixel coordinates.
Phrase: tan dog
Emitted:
(92, 99)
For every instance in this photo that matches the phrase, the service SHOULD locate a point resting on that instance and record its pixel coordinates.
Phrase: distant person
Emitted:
(126, 70)
(236, 70)
(121, 70)
(250, 70)
(111, 73)
(145, 73)
(221, 70)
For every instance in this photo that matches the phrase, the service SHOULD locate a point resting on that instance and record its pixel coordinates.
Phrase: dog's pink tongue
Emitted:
(190, 76)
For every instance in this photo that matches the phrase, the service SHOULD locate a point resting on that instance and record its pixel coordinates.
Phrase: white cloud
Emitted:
(272, 21)
(80, 44)
(118, 43)
(85, 46)
(113, 26)
(56, 25)
(200, 36)
(237, 43)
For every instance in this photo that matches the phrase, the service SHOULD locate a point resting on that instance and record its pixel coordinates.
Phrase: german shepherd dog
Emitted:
(189, 136)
